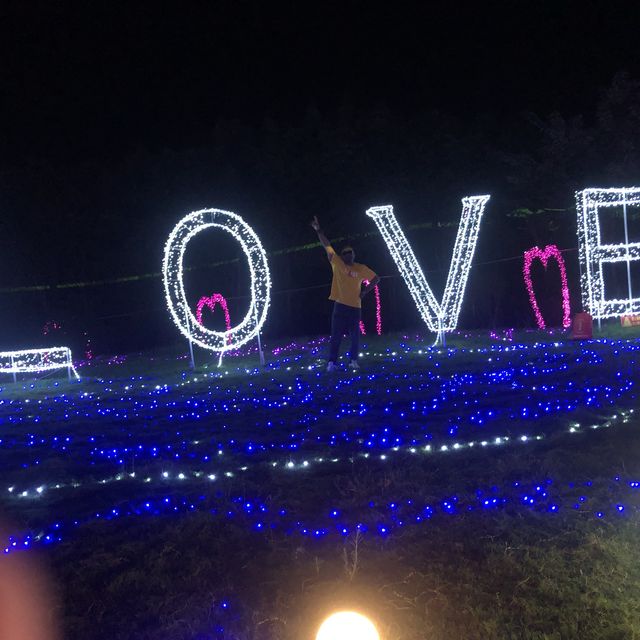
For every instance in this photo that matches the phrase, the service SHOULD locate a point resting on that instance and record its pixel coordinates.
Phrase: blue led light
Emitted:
(197, 431)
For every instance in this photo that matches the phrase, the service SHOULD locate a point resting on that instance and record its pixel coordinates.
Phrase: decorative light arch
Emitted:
(550, 251)
(173, 275)
(438, 317)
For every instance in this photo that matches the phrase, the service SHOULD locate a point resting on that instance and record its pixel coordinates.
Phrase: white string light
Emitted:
(438, 317)
(37, 360)
(594, 254)
(173, 274)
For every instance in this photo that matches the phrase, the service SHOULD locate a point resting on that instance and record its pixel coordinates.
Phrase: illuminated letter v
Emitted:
(438, 317)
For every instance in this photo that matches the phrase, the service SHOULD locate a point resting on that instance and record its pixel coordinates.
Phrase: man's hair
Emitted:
(347, 247)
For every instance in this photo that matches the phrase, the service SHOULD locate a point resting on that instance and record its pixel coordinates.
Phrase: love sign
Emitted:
(438, 316)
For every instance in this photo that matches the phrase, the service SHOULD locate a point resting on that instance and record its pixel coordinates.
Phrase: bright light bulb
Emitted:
(347, 625)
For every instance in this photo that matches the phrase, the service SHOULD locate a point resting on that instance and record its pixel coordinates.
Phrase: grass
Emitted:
(513, 571)
(491, 575)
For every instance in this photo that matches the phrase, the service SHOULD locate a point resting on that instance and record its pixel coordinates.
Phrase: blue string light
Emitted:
(545, 497)
(211, 425)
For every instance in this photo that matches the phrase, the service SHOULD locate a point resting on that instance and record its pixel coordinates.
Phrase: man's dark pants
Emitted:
(345, 319)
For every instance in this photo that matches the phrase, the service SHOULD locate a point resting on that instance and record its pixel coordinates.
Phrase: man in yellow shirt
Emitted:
(346, 293)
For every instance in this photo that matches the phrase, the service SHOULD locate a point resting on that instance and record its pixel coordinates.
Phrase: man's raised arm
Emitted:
(316, 227)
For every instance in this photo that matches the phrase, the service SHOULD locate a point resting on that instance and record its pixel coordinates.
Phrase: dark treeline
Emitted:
(67, 221)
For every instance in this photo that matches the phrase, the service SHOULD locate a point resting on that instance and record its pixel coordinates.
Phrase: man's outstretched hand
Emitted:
(323, 239)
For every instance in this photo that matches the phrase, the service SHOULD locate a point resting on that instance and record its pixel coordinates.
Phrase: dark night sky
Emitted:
(93, 79)
(119, 117)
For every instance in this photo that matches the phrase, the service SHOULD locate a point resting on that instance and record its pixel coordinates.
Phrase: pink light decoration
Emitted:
(50, 326)
(376, 292)
(505, 335)
(550, 251)
(216, 298)
(88, 351)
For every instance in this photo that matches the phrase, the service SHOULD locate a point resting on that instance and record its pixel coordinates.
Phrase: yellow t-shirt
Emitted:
(347, 279)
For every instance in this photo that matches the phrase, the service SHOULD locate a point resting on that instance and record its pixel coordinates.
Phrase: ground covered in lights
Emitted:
(487, 490)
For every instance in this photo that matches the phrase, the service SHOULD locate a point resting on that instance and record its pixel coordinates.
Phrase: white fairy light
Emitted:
(173, 274)
(594, 254)
(438, 317)
(37, 361)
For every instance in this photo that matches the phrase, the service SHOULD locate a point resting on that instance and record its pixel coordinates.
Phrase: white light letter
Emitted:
(439, 318)
(593, 254)
(173, 271)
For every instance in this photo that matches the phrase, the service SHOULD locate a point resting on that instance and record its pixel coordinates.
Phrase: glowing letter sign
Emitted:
(173, 271)
(594, 254)
(438, 317)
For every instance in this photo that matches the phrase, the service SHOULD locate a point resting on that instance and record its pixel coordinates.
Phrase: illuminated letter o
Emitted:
(173, 271)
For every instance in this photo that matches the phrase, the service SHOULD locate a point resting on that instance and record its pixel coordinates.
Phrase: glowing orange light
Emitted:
(347, 625)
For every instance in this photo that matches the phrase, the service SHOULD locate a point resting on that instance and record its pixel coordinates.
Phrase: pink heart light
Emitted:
(550, 251)
(216, 298)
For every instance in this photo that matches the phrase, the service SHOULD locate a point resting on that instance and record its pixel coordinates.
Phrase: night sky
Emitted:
(118, 118)
(94, 80)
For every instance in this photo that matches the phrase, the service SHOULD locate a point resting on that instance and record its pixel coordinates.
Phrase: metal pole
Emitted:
(626, 240)
(260, 350)
(440, 337)
(193, 362)
(13, 369)
(255, 316)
